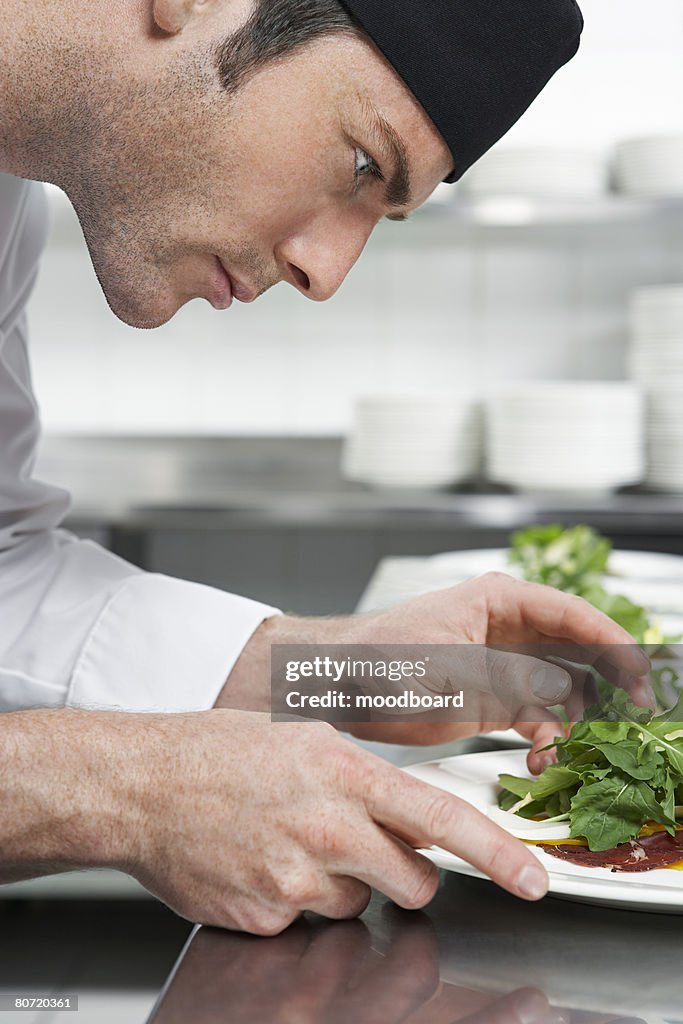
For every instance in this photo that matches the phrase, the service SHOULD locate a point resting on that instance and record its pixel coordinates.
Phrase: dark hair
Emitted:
(274, 29)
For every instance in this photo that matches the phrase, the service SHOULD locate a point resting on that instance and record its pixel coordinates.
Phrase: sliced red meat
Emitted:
(643, 854)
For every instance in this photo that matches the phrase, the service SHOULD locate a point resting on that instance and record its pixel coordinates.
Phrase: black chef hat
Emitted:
(474, 65)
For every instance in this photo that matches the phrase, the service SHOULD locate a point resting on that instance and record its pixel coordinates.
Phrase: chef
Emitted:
(213, 148)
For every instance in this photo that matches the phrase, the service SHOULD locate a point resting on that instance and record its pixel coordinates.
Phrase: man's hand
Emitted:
(247, 823)
(233, 820)
(494, 610)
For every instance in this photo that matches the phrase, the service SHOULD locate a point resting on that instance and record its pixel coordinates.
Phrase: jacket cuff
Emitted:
(163, 644)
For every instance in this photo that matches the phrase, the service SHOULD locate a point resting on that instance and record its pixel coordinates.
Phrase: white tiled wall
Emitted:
(428, 306)
(626, 80)
(414, 315)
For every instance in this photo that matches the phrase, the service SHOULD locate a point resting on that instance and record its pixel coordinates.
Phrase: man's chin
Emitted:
(144, 313)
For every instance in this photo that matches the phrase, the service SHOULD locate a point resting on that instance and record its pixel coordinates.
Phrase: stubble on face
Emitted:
(143, 170)
(167, 172)
(147, 172)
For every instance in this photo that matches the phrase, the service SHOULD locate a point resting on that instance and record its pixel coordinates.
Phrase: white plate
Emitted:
(648, 578)
(637, 565)
(474, 778)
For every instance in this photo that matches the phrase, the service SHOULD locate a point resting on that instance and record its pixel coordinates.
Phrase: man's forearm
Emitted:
(248, 685)
(68, 791)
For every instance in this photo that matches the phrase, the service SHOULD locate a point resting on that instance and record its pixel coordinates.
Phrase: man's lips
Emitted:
(222, 293)
(228, 287)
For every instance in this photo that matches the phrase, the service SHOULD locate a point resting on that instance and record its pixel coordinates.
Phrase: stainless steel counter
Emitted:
(475, 954)
(215, 483)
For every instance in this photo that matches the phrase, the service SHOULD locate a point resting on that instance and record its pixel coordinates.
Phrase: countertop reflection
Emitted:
(475, 955)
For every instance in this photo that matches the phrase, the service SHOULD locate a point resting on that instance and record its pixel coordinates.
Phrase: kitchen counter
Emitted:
(112, 955)
(476, 954)
(140, 483)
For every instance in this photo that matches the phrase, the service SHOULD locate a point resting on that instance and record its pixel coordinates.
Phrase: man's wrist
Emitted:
(72, 791)
(248, 685)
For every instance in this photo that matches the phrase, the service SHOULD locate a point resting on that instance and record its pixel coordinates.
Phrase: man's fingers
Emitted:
(591, 662)
(637, 686)
(515, 678)
(557, 616)
(498, 683)
(409, 807)
(606, 663)
(341, 898)
(540, 734)
(389, 864)
(540, 727)
(519, 681)
(552, 613)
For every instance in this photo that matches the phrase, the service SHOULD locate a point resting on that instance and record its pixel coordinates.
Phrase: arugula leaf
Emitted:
(615, 705)
(535, 809)
(658, 730)
(668, 805)
(517, 789)
(674, 715)
(516, 785)
(619, 767)
(616, 770)
(625, 755)
(613, 811)
(575, 560)
(558, 557)
(611, 732)
(554, 778)
(507, 800)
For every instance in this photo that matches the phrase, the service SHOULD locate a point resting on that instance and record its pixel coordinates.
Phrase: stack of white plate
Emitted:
(649, 167)
(656, 325)
(537, 171)
(665, 438)
(569, 436)
(418, 442)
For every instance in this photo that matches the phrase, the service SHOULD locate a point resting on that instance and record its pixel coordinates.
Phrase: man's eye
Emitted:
(365, 165)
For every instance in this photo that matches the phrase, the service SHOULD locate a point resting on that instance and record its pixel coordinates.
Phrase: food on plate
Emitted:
(657, 850)
(618, 779)
(569, 559)
(576, 561)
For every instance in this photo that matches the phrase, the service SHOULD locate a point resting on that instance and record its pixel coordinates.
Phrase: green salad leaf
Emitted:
(612, 811)
(569, 560)
(576, 561)
(616, 770)
(620, 767)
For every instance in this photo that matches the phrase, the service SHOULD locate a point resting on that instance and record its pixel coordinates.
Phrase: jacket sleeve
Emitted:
(78, 625)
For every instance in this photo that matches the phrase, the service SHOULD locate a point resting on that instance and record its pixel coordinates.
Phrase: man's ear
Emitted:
(173, 15)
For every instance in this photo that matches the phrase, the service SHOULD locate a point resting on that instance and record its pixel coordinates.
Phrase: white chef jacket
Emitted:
(78, 625)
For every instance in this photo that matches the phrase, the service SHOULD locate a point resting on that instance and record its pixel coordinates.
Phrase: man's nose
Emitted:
(317, 259)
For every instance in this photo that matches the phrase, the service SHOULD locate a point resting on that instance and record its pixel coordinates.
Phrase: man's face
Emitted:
(209, 195)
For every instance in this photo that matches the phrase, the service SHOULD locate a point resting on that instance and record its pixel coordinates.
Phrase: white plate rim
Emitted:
(645, 565)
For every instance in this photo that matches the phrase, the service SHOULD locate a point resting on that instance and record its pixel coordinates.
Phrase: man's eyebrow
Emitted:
(398, 186)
